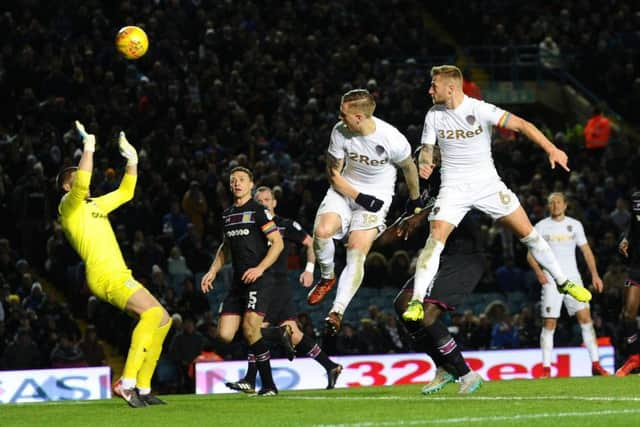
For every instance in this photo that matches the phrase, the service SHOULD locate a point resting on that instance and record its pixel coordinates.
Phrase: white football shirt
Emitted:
(563, 237)
(369, 161)
(464, 137)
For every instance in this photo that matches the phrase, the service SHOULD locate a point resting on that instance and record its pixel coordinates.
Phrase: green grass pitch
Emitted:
(597, 401)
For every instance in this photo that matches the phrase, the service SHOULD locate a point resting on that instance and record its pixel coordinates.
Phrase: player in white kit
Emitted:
(362, 157)
(462, 127)
(564, 234)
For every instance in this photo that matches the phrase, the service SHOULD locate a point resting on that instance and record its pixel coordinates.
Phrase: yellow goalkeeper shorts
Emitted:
(115, 288)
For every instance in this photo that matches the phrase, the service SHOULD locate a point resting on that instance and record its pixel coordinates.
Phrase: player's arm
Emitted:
(425, 161)
(306, 277)
(334, 167)
(518, 124)
(276, 245)
(126, 190)
(590, 260)
(537, 269)
(206, 283)
(410, 172)
(631, 230)
(82, 181)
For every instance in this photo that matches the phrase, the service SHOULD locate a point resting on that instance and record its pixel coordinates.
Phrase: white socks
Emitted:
(427, 267)
(349, 281)
(325, 250)
(546, 344)
(590, 341)
(541, 251)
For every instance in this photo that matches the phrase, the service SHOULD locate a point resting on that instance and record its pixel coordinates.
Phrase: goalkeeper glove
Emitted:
(88, 139)
(127, 151)
(370, 203)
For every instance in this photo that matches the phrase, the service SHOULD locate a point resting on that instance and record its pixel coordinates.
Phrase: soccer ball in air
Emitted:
(132, 42)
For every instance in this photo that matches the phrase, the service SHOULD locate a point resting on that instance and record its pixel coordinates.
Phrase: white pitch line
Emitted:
(468, 398)
(484, 419)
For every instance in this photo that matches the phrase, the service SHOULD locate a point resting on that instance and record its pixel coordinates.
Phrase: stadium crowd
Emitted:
(256, 84)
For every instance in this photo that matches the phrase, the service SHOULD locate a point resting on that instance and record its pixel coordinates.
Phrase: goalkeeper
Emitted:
(86, 224)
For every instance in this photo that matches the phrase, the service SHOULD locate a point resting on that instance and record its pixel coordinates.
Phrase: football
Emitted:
(132, 42)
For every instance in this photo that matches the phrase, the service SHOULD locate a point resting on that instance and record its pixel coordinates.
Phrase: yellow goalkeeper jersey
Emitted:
(86, 224)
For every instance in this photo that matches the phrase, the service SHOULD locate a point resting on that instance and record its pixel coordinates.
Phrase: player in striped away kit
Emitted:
(630, 248)
(254, 243)
(283, 312)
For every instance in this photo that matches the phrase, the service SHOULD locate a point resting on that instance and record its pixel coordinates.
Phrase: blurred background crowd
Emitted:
(258, 84)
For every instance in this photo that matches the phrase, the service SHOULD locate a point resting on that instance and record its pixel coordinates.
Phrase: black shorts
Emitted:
(257, 296)
(457, 277)
(282, 307)
(633, 278)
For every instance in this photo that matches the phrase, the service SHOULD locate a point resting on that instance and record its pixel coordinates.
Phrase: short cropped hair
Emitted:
(63, 176)
(450, 71)
(559, 194)
(361, 100)
(242, 169)
(264, 188)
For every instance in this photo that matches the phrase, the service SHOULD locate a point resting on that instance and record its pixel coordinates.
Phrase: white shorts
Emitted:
(352, 215)
(552, 301)
(454, 201)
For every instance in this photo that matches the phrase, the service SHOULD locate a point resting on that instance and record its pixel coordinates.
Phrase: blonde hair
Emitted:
(559, 194)
(361, 100)
(448, 71)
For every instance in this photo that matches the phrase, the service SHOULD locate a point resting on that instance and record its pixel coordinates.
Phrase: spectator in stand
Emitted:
(37, 299)
(621, 215)
(22, 353)
(469, 86)
(92, 348)
(185, 347)
(177, 269)
(194, 205)
(549, 53)
(208, 354)
(597, 133)
(510, 277)
(67, 354)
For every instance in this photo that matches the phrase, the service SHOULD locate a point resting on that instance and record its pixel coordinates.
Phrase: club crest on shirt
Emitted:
(569, 228)
(379, 150)
(471, 119)
(435, 210)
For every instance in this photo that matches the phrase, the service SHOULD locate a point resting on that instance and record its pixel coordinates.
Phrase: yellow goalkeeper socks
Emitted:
(149, 365)
(141, 341)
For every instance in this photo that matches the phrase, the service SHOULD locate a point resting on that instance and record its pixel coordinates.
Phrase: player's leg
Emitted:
(125, 292)
(447, 212)
(251, 328)
(327, 226)
(519, 222)
(351, 277)
(546, 344)
(260, 295)
(630, 328)
(550, 307)
(457, 277)
(281, 309)
(228, 324)
(422, 341)
(307, 346)
(583, 316)
(427, 266)
(145, 374)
